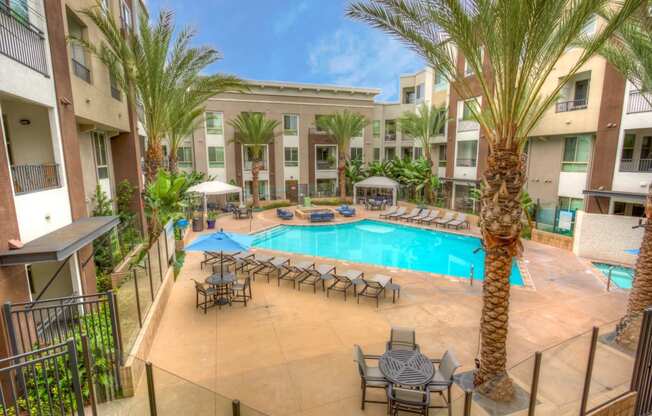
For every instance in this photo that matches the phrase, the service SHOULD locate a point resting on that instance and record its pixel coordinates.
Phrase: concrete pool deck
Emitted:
(290, 352)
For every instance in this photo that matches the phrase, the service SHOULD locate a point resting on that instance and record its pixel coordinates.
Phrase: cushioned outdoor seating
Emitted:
(322, 216)
(284, 214)
(346, 211)
(459, 222)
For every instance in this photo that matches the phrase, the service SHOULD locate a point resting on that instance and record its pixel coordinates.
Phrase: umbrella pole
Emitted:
(221, 263)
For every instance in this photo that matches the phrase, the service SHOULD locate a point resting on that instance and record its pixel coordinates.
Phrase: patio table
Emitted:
(221, 280)
(406, 367)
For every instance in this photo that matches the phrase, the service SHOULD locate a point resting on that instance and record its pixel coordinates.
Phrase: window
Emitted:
(468, 70)
(291, 124)
(418, 153)
(125, 16)
(356, 153)
(590, 26)
(215, 156)
(390, 153)
(406, 153)
(419, 92)
(408, 96)
(326, 187)
(628, 147)
(115, 90)
(467, 153)
(571, 204)
(326, 158)
(442, 156)
(443, 115)
(576, 154)
(646, 148)
(291, 156)
(440, 81)
(467, 110)
(390, 130)
(76, 30)
(376, 153)
(164, 149)
(184, 156)
(101, 159)
(214, 123)
(629, 209)
(249, 157)
(375, 128)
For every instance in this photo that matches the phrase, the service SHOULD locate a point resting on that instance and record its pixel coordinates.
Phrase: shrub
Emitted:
(331, 201)
(103, 282)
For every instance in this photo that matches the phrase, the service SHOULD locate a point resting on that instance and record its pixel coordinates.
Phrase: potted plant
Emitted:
(212, 216)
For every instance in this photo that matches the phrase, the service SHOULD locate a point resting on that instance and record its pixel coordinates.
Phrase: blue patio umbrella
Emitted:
(221, 241)
(634, 251)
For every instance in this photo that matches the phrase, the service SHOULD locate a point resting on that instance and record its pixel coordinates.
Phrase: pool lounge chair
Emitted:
(398, 213)
(271, 266)
(423, 214)
(212, 258)
(445, 219)
(284, 214)
(374, 287)
(459, 222)
(415, 212)
(244, 262)
(342, 282)
(389, 212)
(295, 272)
(316, 274)
(434, 214)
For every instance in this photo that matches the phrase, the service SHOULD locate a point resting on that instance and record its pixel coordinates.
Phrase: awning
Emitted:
(215, 188)
(60, 243)
(614, 194)
(376, 182)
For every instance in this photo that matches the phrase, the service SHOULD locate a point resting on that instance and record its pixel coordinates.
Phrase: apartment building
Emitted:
(302, 160)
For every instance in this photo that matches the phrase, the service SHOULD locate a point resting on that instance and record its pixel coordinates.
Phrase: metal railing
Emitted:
(248, 165)
(22, 41)
(564, 106)
(81, 71)
(35, 178)
(466, 163)
(636, 165)
(325, 165)
(467, 125)
(639, 102)
(390, 137)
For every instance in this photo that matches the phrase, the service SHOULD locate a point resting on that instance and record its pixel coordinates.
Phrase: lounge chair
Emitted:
(317, 273)
(284, 214)
(434, 214)
(398, 213)
(443, 380)
(295, 272)
(271, 266)
(402, 339)
(404, 400)
(414, 213)
(370, 377)
(389, 212)
(445, 219)
(244, 262)
(423, 214)
(215, 257)
(459, 222)
(343, 281)
(374, 287)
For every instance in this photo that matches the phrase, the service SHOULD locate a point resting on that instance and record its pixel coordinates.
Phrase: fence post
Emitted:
(535, 383)
(74, 371)
(86, 352)
(151, 392)
(148, 269)
(140, 318)
(158, 250)
(9, 322)
(117, 341)
(236, 407)
(589, 370)
(468, 400)
(113, 307)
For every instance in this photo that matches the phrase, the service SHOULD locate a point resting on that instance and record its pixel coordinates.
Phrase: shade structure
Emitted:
(215, 188)
(221, 241)
(376, 182)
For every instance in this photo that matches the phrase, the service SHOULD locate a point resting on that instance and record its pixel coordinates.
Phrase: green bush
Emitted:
(331, 201)
(275, 204)
(103, 282)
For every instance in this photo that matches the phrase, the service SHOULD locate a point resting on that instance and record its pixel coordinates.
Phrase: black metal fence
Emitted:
(42, 382)
(563, 106)
(34, 178)
(21, 41)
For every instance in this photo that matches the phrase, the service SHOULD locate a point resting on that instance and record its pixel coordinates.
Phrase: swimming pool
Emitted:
(384, 244)
(620, 276)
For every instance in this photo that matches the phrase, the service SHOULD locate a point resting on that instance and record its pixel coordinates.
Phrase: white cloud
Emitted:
(286, 19)
(365, 59)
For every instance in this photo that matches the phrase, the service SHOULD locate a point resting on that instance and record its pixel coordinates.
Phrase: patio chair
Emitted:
(284, 214)
(316, 274)
(402, 339)
(208, 294)
(406, 400)
(434, 214)
(443, 380)
(459, 222)
(295, 272)
(445, 219)
(241, 292)
(398, 213)
(344, 281)
(423, 214)
(374, 287)
(389, 212)
(346, 211)
(370, 377)
(271, 266)
(415, 212)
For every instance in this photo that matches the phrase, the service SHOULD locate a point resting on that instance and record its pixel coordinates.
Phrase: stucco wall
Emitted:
(606, 237)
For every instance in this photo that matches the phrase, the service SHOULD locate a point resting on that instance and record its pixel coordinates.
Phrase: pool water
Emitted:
(620, 276)
(384, 244)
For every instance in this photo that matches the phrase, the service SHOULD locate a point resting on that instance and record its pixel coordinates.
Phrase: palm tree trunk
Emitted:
(255, 169)
(500, 220)
(341, 174)
(172, 163)
(428, 187)
(640, 297)
(153, 158)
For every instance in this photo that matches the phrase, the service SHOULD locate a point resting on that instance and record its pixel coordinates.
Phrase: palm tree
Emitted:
(342, 126)
(151, 63)
(512, 46)
(354, 172)
(255, 131)
(630, 51)
(423, 125)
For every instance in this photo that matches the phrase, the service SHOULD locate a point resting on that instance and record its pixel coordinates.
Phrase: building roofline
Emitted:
(313, 87)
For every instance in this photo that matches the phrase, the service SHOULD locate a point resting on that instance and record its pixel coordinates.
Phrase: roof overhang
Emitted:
(611, 194)
(61, 243)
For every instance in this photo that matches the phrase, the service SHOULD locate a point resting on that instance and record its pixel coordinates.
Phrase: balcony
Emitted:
(467, 125)
(564, 106)
(81, 71)
(390, 137)
(639, 102)
(248, 165)
(326, 164)
(21, 40)
(466, 163)
(35, 178)
(636, 165)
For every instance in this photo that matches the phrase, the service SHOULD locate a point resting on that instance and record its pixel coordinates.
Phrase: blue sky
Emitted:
(296, 41)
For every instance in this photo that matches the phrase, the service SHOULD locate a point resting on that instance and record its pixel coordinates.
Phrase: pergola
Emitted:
(376, 182)
(215, 188)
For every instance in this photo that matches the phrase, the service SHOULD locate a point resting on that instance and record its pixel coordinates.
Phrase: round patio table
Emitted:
(218, 280)
(406, 367)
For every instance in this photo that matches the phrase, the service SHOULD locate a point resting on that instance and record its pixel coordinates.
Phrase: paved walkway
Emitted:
(290, 352)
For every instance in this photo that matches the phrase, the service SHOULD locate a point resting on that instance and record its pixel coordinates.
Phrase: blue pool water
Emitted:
(384, 244)
(621, 276)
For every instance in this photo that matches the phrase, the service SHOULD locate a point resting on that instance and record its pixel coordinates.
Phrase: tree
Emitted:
(354, 172)
(630, 51)
(342, 126)
(154, 65)
(512, 47)
(254, 131)
(423, 125)
(164, 201)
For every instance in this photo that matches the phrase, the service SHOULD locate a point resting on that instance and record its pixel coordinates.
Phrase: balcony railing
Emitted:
(636, 165)
(248, 165)
(325, 165)
(35, 178)
(115, 93)
(465, 163)
(467, 125)
(639, 102)
(563, 106)
(21, 41)
(81, 71)
(390, 137)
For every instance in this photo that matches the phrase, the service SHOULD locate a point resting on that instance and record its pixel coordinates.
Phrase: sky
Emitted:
(295, 41)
